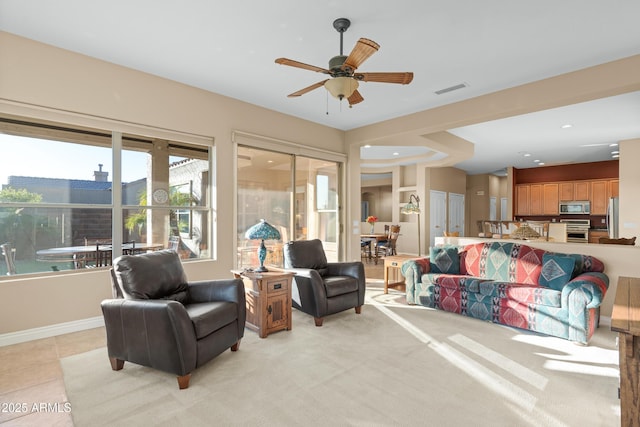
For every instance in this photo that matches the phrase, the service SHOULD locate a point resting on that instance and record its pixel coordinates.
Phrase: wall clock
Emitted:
(160, 196)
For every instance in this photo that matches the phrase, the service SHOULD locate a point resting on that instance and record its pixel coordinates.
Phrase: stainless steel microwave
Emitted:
(575, 208)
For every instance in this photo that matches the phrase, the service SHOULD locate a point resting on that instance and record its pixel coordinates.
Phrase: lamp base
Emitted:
(261, 269)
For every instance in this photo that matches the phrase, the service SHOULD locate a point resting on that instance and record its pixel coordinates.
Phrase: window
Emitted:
(57, 204)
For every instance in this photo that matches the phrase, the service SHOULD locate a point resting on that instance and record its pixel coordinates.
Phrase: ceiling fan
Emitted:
(342, 69)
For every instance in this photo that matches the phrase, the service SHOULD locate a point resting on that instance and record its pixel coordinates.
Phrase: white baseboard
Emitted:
(50, 331)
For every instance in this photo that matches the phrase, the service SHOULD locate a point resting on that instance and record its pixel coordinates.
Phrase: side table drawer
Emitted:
(278, 285)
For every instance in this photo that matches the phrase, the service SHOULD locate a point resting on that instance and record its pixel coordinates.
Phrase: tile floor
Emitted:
(32, 389)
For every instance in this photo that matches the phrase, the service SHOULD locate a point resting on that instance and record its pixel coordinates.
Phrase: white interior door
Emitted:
(503, 209)
(492, 209)
(456, 213)
(437, 214)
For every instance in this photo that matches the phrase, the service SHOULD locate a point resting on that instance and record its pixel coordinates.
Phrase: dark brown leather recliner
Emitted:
(158, 319)
(320, 287)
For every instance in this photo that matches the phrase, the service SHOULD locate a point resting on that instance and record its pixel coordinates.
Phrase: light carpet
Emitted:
(393, 365)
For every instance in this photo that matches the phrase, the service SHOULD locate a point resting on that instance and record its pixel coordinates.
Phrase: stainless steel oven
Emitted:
(577, 230)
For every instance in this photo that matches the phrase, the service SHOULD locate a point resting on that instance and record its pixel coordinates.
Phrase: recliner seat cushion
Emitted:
(208, 317)
(155, 275)
(340, 285)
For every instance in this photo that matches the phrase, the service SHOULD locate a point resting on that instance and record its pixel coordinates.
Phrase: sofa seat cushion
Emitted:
(482, 290)
(339, 285)
(454, 281)
(208, 317)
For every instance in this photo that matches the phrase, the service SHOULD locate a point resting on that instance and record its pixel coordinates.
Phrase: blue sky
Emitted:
(51, 159)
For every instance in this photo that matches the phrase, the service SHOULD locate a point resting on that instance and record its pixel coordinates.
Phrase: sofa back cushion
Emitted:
(444, 259)
(502, 261)
(154, 275)
(557, 270)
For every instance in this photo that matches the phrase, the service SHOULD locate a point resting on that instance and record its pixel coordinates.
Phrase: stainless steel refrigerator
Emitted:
(613, 226)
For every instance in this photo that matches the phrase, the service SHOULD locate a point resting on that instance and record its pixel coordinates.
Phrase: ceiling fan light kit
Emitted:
(341, 87)
(344, 81)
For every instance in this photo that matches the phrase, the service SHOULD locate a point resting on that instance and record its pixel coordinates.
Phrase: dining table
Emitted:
(369, 239)
(82, 254)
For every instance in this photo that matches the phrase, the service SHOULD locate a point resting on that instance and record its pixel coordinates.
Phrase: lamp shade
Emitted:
(341, 87)
(411, 208)
(262, 231)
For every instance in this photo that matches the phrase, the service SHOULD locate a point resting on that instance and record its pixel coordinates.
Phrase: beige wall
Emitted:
(44, 82)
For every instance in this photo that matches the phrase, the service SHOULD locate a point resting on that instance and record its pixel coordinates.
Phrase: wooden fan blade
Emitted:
(292, 63)
(355, 98)
(363, 49)
(399, 78)
(307, 89)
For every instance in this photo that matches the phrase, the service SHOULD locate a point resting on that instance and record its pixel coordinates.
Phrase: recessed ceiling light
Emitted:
(615, 144)
(269, 161)
(396, 154)
(367, 146)
(615, 156)
(567, 126)
(527, 155)
(615, 152)
(541, 164)
(536, 161)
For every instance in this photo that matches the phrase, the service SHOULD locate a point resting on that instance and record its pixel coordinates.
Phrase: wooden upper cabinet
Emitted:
(550, 199)
(535, 199)
(581, 190)
(566, 191)
(599, 197)
(522, 199)
(614, 188)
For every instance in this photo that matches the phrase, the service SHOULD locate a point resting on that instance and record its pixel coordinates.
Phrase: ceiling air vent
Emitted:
(451, 88)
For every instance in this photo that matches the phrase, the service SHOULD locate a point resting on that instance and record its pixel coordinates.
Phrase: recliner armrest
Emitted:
(354, 269)
(231, 290)
(139, 330)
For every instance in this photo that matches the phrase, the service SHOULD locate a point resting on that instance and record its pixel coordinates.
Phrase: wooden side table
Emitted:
(625, 319)
(393, 265)
(268, 298)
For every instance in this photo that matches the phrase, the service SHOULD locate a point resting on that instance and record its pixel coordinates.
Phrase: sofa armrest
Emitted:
(412, 271)
(586, 289)
(139, 331)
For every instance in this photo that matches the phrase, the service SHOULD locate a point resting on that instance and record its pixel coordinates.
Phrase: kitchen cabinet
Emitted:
(613, 188)
(535, 199)
(599, 197)
(581, 190)
(595, 235)
(550, 199)
(522, 199)
(574, 190)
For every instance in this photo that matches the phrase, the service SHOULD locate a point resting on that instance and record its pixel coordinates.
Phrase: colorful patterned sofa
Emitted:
(512, 284)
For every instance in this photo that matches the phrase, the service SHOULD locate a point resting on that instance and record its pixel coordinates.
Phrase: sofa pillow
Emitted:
(556, 271)
(444, 259)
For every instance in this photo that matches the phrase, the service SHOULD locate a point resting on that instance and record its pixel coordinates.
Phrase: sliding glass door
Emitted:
(297, 195)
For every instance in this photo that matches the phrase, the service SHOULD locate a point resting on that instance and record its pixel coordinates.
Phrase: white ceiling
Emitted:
(230, 47)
